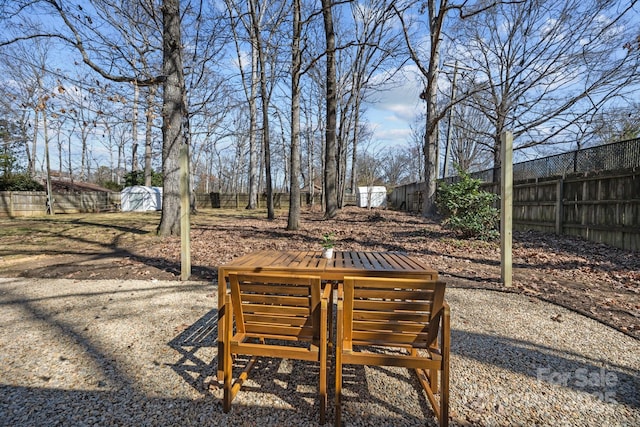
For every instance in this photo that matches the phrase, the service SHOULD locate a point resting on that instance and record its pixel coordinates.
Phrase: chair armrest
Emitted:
(326, 292)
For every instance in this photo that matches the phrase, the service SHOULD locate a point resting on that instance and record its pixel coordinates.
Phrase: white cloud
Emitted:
(392, 110)
(392, 134)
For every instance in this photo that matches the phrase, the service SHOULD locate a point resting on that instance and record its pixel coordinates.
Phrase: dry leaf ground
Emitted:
(597, 280)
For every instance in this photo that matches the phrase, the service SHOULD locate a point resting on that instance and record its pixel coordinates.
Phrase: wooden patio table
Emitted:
(343, 263)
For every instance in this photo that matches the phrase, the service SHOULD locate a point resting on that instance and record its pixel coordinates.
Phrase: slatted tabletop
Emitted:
(343, 263)
(391, 264)
(288, 261)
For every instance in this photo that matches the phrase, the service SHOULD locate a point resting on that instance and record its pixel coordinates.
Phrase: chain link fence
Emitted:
(614, 156)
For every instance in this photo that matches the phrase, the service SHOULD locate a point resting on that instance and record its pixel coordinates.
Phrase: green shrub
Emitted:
(111, 185)
(19, 182)
(137, 178)
(468, 210)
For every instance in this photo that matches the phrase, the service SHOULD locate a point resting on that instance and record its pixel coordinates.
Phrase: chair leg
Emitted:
(323, 362)
(330, 315)
(444, 396)
(338, 418)
(227, 362)
(433, 380)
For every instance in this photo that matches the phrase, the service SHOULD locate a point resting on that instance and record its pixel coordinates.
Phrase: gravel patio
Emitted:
(131, 353)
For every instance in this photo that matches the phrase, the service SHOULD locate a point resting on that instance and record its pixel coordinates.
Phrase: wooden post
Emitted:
(559, 205)
(506, 208)
(185, 210)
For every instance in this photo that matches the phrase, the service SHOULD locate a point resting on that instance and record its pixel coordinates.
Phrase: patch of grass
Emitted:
(120, 229)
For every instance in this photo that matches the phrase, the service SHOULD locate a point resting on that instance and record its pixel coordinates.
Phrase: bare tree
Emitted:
(545, 67)
(437, 13)
(260, 25)
(250, 87)
(25, 65)
(471, 150)
(94, 36)
(415, 149)
(615, 124)
(368, 45)
(395, 166)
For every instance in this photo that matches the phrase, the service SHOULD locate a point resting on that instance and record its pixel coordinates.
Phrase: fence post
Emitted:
(559, 205)
(506, 208)
(185, 221)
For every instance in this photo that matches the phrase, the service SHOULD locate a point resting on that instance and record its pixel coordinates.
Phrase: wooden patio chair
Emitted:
(280, 316)
(395, 322)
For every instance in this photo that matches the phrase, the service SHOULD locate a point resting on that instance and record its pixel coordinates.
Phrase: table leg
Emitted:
(222, 290)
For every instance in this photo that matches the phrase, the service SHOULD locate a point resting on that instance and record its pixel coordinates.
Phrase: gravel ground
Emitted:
(144, 353)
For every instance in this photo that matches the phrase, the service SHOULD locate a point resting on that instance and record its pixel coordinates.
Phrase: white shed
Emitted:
(141, 198)
(373, 196)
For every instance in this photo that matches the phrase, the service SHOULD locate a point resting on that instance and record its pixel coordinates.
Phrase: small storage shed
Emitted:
(140, 198)
(373, 197)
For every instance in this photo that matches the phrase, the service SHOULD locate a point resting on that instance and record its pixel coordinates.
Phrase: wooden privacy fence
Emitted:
(407, 197)
(34, 203)
(241, 200)
(599, 206)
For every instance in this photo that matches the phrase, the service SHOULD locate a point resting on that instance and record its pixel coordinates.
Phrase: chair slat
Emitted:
(396, 316)
(408, 327)
(276, 320)
(277, 309)
(420, 295)
(280, 300)
(397, 283)
(390, 306)
(273, 288)
(390, 339)
(274, 331)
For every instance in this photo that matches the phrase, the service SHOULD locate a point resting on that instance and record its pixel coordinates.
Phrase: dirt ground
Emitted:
(596, 280)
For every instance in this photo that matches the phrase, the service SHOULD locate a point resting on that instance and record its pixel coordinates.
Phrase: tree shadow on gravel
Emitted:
(355, 391)
(292, 383)
(28, 406)
(191, 366)
(605, 380)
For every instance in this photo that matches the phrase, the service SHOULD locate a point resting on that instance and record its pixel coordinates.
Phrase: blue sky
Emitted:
(392, 111)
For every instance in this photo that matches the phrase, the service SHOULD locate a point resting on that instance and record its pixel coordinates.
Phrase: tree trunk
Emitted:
(148, 143)
(134, 129)
(354, 151)
(430, 149)
(265, 110)
(293, 222)
(32, 158)
(267, 143)
(330, 165)
(254, 147)
(172, 117)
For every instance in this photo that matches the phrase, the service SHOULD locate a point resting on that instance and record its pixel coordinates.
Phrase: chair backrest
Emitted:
(391, 311)
(277, 306)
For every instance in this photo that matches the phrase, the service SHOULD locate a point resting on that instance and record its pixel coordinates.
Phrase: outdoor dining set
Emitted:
(389, 311)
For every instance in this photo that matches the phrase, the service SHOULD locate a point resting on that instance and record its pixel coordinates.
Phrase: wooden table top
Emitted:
(343, 263)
